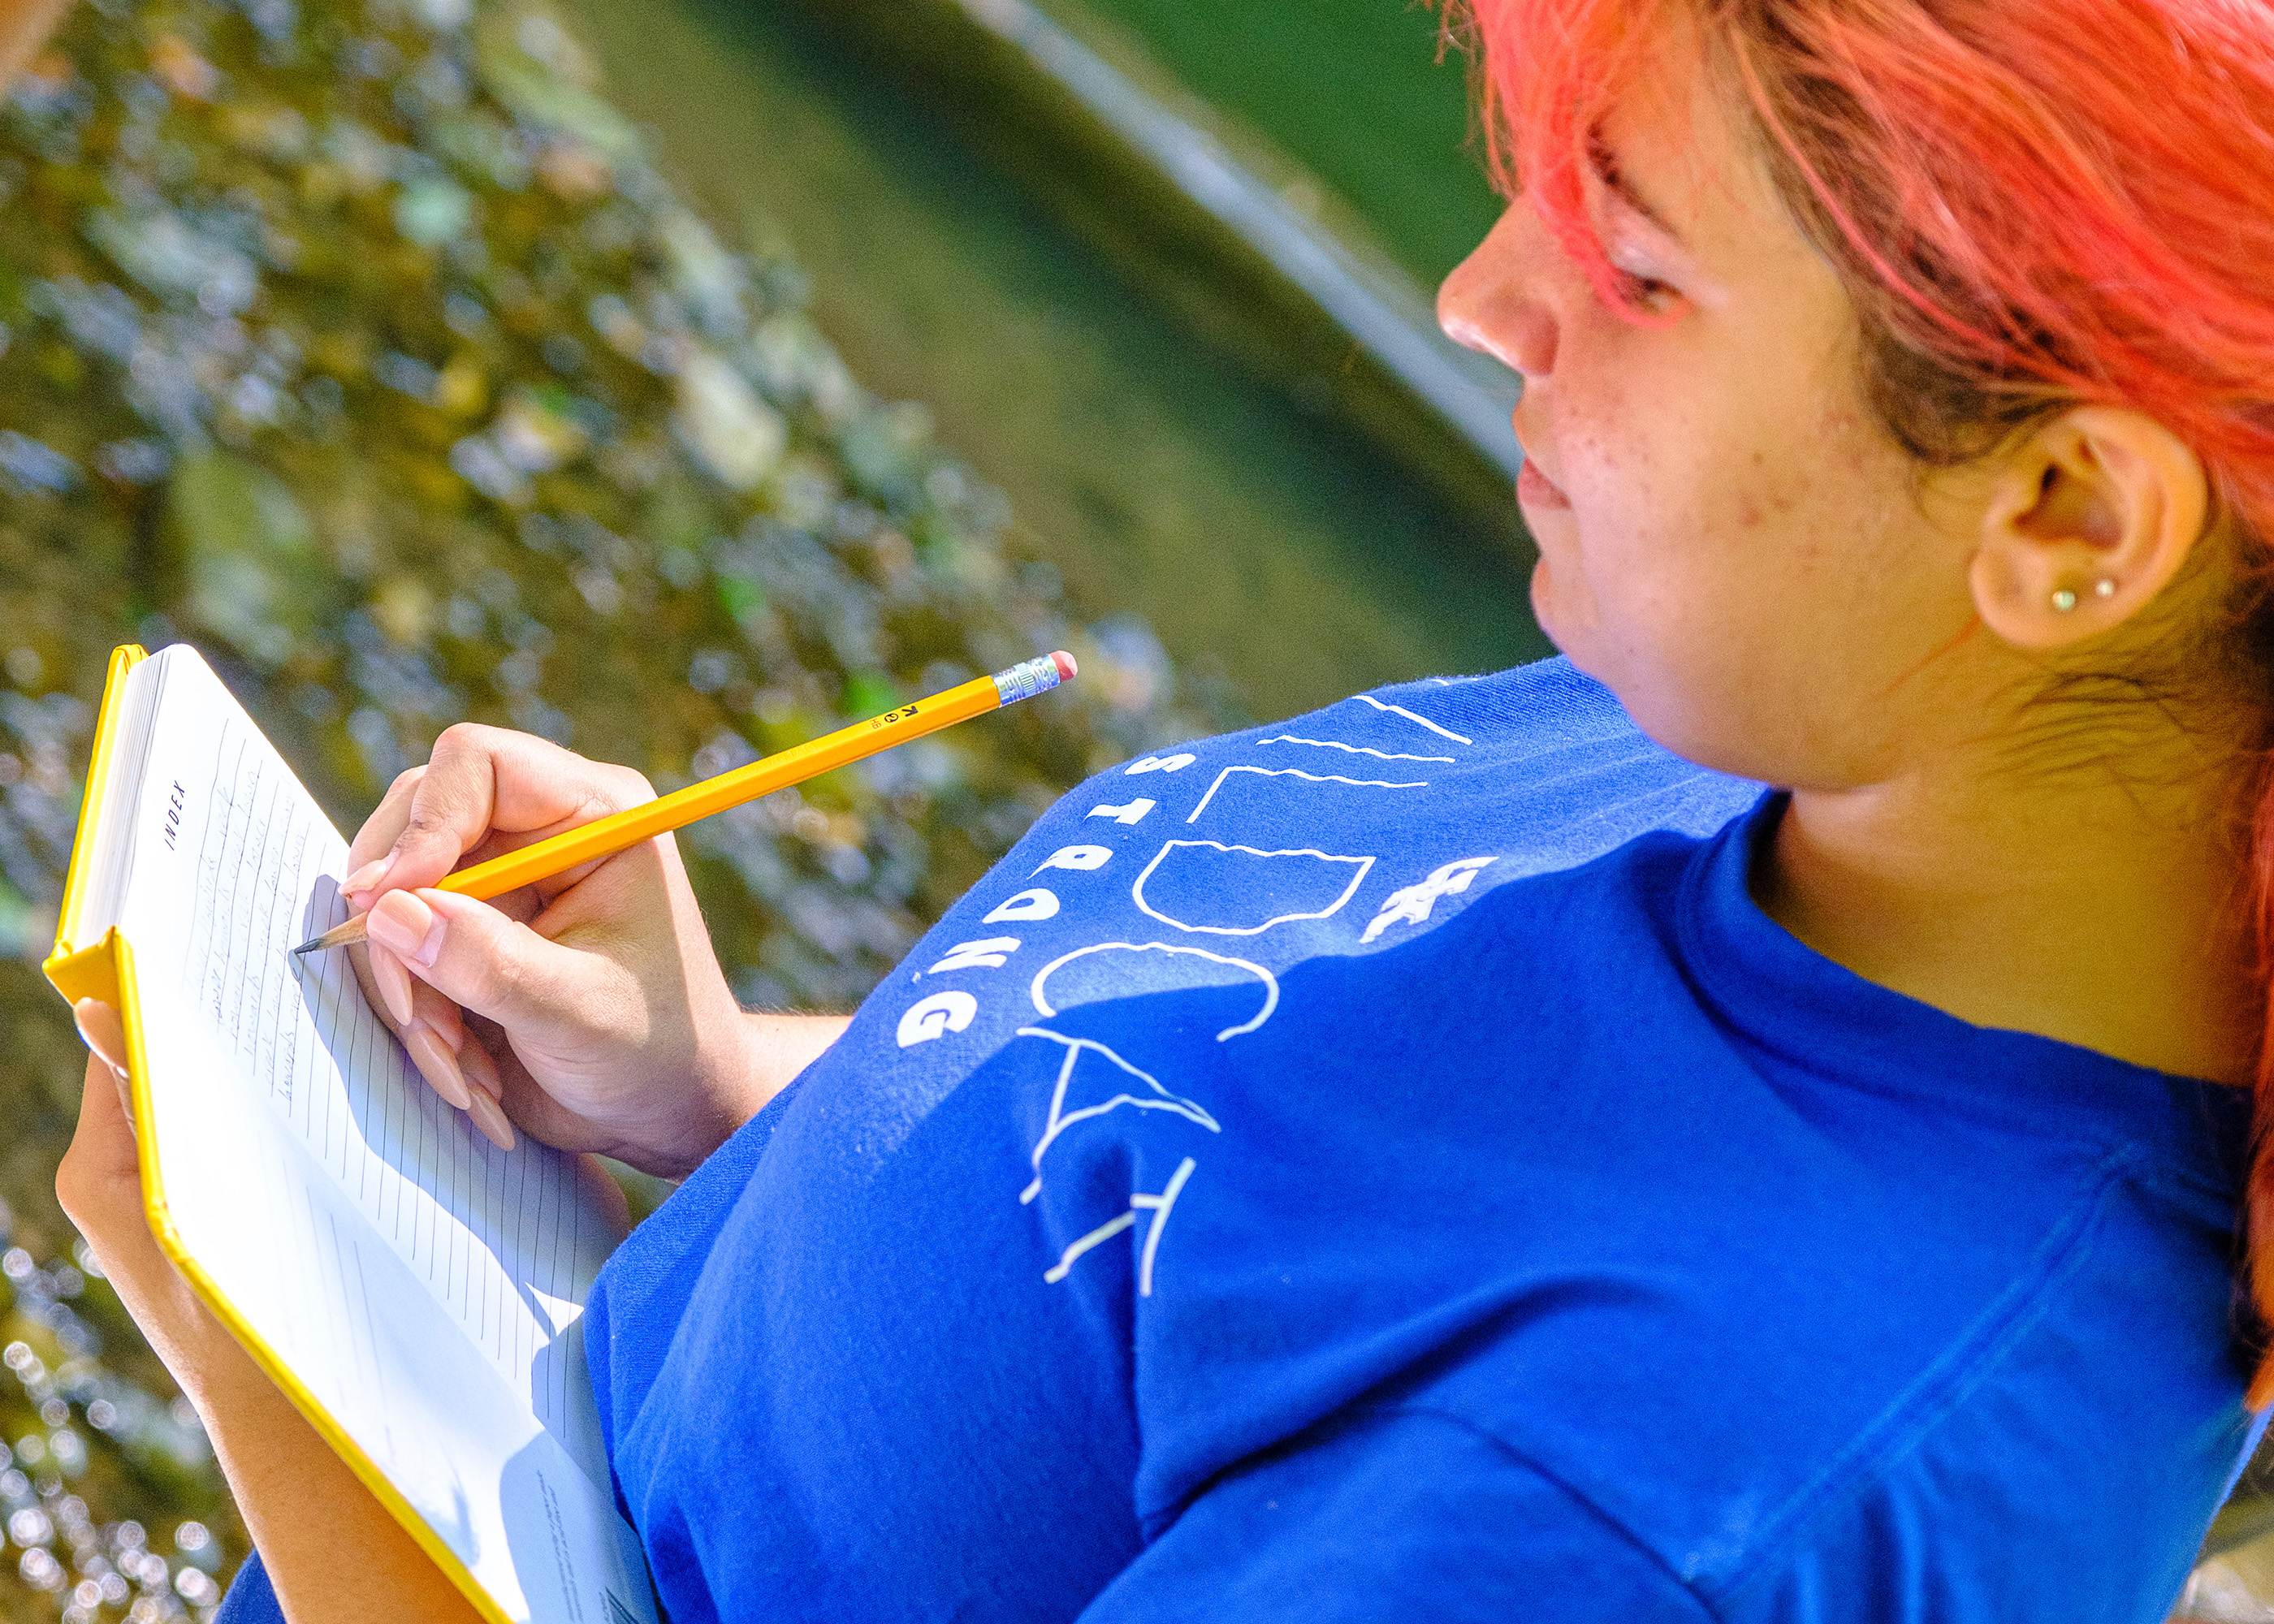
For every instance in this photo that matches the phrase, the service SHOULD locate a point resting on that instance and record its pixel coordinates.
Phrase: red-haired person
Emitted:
(1748, 1122)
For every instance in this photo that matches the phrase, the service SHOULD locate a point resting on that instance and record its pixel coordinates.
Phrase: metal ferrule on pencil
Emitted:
(1028, 678)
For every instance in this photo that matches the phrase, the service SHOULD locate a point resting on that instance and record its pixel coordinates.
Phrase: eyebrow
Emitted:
(1612, 175)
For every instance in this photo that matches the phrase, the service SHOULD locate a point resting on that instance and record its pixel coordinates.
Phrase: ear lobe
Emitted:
(2089, 518)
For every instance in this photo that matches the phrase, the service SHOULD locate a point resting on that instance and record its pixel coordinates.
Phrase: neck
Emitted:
(2090, 906)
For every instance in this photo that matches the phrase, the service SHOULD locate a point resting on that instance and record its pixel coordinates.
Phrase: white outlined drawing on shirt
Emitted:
(1077, 859)
(929, 1018)
(1414, 905)
(988, 954)
(1045, 1007)
(1133, 813)
(1060, 1118)
(1027, 906)
(1358, 749)
(1158, 763)
(1159, 1205)
(1104, 1232)
(1361, 865)
(1442, 732)
(1295, 772)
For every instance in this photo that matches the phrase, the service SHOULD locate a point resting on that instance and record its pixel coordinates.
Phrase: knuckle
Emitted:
(623, 786)
(501, 970)
(76, 1191)
(460, 738)
(70, 1185)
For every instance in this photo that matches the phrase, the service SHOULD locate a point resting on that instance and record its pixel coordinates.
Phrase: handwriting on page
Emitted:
(502, 1240)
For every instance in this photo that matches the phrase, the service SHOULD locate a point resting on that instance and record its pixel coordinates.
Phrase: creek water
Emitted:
(1159, 474)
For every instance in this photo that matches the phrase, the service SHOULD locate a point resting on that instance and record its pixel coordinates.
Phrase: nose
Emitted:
(1489, 303)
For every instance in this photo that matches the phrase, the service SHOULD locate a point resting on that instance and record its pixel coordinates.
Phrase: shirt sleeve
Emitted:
(252, 1599)
(1406, 1516)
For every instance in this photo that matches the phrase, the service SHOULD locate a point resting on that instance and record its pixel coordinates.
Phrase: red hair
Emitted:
(2033, 203)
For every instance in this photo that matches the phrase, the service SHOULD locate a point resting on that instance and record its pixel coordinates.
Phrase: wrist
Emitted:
(755, 1058)
(215, 1373)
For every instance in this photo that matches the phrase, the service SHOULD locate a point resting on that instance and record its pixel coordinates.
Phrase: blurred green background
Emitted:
(1357, 92)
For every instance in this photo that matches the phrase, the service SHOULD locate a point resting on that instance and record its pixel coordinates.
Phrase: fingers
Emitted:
(393, 982)
(106, 1122)
(489, 963)
(487, 1114)
(103, 1031)
(99, 1184)
(433, 1037)
(484, 787)
(99, 1181)
(461, 953)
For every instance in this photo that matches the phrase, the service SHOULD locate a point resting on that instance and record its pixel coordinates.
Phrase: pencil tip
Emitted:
(306, 948)
(1067, 670)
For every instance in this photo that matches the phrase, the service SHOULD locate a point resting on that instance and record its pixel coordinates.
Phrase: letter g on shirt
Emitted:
(935, 1017)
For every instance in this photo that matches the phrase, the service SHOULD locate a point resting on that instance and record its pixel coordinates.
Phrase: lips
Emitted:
(1535, 489)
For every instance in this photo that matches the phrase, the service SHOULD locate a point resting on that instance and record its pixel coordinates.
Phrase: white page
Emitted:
(426, 1286)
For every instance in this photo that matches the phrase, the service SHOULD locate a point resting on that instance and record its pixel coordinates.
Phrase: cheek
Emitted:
(1688, 589)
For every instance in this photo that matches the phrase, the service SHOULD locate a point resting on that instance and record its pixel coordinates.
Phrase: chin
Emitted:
(1671, 714)
(1544, 615)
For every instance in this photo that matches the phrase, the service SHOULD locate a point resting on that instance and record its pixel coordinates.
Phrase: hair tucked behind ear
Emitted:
(2032, 203)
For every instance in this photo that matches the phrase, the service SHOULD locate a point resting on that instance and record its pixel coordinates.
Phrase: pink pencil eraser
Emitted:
(1067, 669)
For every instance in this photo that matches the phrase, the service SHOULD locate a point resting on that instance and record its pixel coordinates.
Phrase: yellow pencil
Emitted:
(801, 762)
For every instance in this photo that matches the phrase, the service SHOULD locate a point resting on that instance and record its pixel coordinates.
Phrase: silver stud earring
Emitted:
(2063, 601)
(2103, 588)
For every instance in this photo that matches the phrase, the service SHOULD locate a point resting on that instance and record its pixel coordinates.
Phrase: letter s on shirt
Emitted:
(935, 1017)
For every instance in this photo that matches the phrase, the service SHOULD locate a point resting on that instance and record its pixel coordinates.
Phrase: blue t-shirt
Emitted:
(1383, 1166)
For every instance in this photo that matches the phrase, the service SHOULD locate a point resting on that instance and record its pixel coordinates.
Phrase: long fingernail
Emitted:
(401, 922)
(436, 1064)
(481, 1071)
(489, 1117)
(368, 876)
(394, 984)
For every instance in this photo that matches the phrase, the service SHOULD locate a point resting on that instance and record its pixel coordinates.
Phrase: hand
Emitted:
(588, 1008)
(100, 1185)
(334, 1554)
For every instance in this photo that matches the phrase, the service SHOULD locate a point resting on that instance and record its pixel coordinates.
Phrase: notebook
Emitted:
(415, 1290)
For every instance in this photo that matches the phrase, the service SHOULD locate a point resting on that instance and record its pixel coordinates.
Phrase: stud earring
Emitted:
(2063, 601)
(2103, 588)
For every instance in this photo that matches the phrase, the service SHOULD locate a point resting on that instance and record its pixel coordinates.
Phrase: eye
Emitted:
(1648, 289)
(1637, 283)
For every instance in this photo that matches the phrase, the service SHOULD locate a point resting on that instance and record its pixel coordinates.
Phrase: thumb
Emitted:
(103, 1031)
(489, 963)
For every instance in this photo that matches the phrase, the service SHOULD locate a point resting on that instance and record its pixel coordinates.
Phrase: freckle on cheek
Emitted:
(1749, 513)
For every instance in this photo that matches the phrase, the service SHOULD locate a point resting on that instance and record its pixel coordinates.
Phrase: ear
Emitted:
(2089, 517)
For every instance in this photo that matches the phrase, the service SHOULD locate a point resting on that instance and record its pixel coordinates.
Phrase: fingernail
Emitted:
(481, 1071)
(447, 1027)
(394, 984)
(87, 1014)
(368, 876)
(489, 1117)
(436, 1064)
(401, 922)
